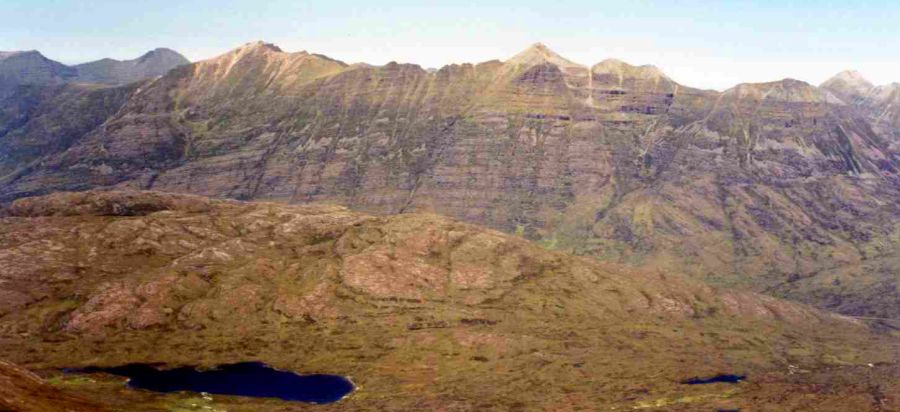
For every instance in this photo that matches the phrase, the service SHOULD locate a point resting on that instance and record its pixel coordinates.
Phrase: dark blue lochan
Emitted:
(715, 379)
(253, 379)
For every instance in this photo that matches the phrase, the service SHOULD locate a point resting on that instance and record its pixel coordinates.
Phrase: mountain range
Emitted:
(109, 71)
(783, 188)
(23, 68)
(521, 234)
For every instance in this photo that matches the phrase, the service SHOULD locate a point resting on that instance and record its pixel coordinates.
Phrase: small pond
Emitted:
(715, 379)
(254, 379)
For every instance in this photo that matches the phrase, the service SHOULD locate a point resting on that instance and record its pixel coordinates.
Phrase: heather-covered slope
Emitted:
(23, 391)
(774, 186)
(424, 312)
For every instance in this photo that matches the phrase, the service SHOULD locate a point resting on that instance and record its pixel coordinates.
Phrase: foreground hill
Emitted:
(424, 312)
(23, 391)
(778, 187)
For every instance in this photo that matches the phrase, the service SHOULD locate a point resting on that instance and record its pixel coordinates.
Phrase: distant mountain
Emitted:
(108, 71)
(850, 86)
(881, 104)
(780, 187)
(31, 68)
(539, 53)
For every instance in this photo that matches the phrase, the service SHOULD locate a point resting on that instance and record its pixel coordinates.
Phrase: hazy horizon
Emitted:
(697, 43)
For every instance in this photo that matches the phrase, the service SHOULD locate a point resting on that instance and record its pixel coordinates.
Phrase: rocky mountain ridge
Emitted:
(780, 187)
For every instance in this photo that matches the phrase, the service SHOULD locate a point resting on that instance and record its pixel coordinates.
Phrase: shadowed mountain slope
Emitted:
(19, 68)
(38, 121)
(154, 63)
(31, 69)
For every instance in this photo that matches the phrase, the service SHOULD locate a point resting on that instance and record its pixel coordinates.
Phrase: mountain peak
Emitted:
(163, 54)
(849, 85)
(256, 48)
(625, 70)
(539, 53)
(261, 45)
(160, 51)
(20, 53)
(784, 90)
(851, 78)
(849, 75)
(540, 47)
(31, 67)
(108, 71)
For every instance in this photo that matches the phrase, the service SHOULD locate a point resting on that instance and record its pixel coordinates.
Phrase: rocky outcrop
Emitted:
(760, 186)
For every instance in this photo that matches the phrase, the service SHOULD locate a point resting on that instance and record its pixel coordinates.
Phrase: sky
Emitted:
(706, 44)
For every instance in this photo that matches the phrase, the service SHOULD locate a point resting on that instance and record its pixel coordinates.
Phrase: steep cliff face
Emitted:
(424, 312)
(770, 186)
(40, 121)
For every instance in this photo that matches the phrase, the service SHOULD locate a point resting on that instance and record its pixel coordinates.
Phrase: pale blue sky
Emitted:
(712, 44)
